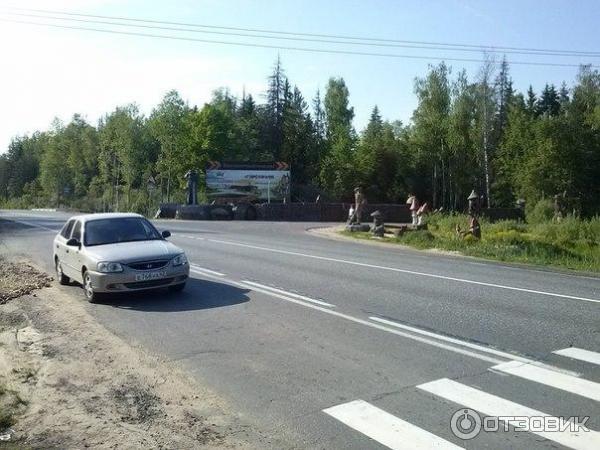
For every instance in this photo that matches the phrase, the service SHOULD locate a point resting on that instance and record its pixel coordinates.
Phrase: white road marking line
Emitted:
(432, 342)
(291, 294)
(214, 277)
(372, 325)
(203, 269)
(176, 234)
(411, 272)
(580, 354)
(385, 428)
(578, 386)
(491, 405)
(478, 347)
(35, 225)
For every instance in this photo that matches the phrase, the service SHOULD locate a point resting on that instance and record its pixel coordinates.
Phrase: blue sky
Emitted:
(60, 72)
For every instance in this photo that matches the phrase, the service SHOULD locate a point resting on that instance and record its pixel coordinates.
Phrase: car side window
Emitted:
(77, 231)
(66, 231)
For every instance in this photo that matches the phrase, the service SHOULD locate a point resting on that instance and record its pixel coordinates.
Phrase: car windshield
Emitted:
(112, 231)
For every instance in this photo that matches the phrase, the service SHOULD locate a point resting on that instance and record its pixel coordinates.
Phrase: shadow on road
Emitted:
(198, 294)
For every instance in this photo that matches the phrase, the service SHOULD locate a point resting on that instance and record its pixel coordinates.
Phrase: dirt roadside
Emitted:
(67, 382)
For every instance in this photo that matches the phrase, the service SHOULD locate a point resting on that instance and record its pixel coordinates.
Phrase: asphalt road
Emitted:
(339, 345)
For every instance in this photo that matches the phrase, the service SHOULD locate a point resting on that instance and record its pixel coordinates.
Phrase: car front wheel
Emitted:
(88, 289)
(60, 276)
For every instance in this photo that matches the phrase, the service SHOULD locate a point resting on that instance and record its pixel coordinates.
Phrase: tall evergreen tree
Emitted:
(503, 95)
(563, 97)
(549, 102)
(531, 101)
(273, 127)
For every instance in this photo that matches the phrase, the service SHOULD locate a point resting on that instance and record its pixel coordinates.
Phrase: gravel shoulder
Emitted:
(67, 382)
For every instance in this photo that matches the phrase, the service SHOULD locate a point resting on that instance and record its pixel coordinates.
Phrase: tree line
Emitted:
(464, 134)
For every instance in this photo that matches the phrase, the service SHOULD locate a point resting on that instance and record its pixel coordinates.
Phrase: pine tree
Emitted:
(563, 97)
(531, 103)
(319, 116)
(503, 93)
(274, 110)
(548, 104)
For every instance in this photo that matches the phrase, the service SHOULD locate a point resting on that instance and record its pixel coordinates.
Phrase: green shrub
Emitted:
(542, 211)
(420, 238)
(506, 225)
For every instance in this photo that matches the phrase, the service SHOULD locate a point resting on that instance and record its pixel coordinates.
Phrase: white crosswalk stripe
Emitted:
(491, 405)
(578, 386)
(385, 428)
(580, 354)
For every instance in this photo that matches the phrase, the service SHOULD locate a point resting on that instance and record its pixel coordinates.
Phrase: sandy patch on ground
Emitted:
(70, 383)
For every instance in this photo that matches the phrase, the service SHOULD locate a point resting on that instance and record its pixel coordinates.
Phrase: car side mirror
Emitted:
(166, 234)
(73, 242)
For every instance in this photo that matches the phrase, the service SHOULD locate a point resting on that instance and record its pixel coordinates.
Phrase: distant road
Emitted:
(336, 345)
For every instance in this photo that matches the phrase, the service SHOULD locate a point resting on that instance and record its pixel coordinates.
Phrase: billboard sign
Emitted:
(243, 183)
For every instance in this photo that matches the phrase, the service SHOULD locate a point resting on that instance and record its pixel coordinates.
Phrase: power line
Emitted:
(302, 39)
(281, 47)
(333, 36)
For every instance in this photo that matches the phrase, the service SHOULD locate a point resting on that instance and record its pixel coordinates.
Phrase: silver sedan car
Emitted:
(117, 252)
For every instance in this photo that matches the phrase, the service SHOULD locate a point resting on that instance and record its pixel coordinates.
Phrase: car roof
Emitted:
(98, 216)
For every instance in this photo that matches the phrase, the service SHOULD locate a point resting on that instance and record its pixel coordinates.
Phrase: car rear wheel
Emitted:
(60, 276)
(177, 287)
(88, 289)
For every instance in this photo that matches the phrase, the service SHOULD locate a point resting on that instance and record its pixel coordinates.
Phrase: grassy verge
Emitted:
(571, 244)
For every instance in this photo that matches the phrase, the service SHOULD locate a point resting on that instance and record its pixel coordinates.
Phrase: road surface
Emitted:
(339, 345)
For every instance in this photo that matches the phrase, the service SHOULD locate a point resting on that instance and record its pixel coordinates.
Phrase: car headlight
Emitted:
(109, 267)
(179, 260)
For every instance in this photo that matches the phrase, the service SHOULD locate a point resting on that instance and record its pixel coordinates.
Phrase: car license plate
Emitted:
(150, 276)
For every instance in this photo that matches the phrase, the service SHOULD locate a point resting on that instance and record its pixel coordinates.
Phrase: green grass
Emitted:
(571, 244)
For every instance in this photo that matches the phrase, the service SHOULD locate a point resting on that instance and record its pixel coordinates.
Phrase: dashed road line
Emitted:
(204, 269)
(291, 294)
(478, 347)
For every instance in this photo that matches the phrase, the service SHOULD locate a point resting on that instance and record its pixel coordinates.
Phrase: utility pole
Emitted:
(116, 180)
(485, 145)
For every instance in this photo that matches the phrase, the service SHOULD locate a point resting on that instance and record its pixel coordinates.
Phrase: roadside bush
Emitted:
(570, 231)
(572, 243)
(541, 212)
(506, 225)
(419, 239)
